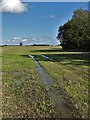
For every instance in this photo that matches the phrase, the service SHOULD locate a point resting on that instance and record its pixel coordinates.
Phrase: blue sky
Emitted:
(39, 24)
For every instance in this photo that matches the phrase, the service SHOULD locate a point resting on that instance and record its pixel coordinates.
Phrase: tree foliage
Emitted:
(75, 34)
(20, 44)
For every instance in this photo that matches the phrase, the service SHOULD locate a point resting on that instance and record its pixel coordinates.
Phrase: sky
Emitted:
(55, 0)
(38, 24)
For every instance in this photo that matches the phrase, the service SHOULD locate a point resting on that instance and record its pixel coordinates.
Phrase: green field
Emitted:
(24, 93)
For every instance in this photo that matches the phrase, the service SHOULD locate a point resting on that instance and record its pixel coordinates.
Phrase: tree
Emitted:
(75, 33)
(20, 44)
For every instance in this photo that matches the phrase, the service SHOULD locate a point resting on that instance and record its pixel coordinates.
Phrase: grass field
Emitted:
(25, 96)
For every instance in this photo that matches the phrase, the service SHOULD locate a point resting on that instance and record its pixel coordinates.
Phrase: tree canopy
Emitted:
(75, 34)
(20, 44)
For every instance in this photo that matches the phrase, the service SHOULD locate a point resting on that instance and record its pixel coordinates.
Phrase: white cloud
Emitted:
(13, 6)
(15, 39)
(24, 40)
(51, 16)
(34, 39)
(8, 40)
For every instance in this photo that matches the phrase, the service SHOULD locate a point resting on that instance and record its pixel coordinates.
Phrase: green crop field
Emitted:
(24, 93)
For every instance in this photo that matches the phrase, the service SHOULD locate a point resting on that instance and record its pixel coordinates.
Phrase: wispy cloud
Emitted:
(24, 39)
(15, 39)
(18, 39)
(32, 40)
(51, 16)
(12, 6)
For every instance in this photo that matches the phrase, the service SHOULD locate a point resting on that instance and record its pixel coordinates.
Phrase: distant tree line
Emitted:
(75, 34)
(40, 45)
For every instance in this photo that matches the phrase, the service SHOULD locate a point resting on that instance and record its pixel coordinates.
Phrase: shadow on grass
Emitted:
(59, 50)
(73, 59)
(26, 56)
(49, 50)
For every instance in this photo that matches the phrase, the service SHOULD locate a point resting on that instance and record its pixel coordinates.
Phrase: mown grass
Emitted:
(70, 71)
(23, 93)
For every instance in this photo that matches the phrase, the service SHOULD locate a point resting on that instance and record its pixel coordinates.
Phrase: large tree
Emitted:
(75, 34)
